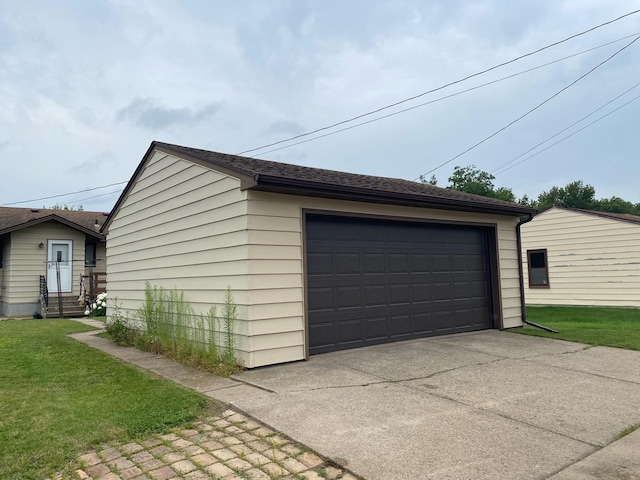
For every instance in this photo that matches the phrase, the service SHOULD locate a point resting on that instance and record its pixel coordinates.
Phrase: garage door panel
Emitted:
(375, 328)
(348, 297)
(400, 326)
(443, 321)
(422, 323)
(323, 336)
(477, 263)
(421, 292)
(320, 299)
(399, 294)
(320, 263)
(459, 263)
(374, 295)
(373, 263)
(478, 289)
(347, 264)
(373, 281)
(349, 331)
(420, 262)
(398, 262)
(461, 290)
(441, 292)
(440, 263)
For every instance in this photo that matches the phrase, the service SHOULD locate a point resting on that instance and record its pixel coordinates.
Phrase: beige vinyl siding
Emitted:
(592, 260)
(5, 244)
(187, 227)
(276, 264)
(182, 226)
(27, 261)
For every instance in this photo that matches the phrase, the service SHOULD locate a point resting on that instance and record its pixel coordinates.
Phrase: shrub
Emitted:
(119, 329)
(99, 307)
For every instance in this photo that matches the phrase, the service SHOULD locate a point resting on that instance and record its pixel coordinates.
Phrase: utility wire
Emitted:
(397, 103)
(565, 129)
(530, 111)
(569, 136)
(65, 194)
(97, 196)
(441, 87)
(404, 110)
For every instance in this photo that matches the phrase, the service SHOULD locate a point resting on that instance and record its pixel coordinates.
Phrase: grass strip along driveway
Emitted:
(610, 327)
(58, 397)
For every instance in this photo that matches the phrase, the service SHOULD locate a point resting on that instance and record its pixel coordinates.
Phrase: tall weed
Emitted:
(172, 328)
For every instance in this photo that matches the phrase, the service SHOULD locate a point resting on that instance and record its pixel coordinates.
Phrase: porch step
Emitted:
(70, 308)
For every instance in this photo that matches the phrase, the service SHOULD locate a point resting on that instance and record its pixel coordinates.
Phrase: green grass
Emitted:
(612, 327)
(58, 397)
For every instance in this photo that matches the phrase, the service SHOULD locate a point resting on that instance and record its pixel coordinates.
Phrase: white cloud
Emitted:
(148, 113)
(75, 77)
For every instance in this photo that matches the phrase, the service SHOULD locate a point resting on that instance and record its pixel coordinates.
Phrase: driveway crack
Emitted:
(498, 414)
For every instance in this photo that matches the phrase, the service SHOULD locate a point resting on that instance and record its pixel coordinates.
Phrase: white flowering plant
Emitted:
(99, 307)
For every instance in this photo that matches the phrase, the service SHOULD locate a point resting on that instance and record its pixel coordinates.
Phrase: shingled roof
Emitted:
(266, 175)
(625, 217)
(13, 218)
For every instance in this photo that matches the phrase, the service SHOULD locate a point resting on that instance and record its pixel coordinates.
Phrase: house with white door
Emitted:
(317, 260)
(49, 257)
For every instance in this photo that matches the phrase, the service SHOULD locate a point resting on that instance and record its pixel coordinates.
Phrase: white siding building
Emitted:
(291, 242)
(580, 257)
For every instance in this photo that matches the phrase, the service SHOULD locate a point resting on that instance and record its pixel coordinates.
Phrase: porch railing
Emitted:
(92, 285)
(44, 292)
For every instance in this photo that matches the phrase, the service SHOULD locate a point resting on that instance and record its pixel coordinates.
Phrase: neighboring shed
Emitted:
(582, 257)
(36, 241)
(317, 260)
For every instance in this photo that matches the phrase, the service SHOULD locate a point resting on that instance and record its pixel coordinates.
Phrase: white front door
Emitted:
(59, 257)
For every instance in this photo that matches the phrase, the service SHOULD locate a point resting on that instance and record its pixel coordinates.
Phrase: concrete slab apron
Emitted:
(470, 406)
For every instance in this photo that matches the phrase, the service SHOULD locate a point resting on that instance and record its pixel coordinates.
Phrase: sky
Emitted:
(86, 86)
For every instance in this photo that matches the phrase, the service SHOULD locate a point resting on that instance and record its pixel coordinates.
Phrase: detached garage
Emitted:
(317, 260)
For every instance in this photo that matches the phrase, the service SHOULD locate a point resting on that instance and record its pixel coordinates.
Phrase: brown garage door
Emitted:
(374, 281)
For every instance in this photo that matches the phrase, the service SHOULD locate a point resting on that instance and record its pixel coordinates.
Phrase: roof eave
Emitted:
(310, 189)
(55, 218)
(246, 178)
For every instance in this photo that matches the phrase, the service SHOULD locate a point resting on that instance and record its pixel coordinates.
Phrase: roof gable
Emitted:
(265, 175)
(12, 218)
(621, 217)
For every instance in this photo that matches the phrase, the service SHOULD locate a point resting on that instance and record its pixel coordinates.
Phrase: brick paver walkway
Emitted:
(225, 447)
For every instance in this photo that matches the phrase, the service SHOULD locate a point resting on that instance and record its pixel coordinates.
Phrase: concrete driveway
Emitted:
(489, 405)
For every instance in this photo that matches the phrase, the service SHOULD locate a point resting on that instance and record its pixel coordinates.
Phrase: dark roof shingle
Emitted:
(14, 218)
(627, 217)
(265, 172)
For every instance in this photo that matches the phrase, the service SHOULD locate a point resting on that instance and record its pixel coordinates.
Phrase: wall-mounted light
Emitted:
(41, 245)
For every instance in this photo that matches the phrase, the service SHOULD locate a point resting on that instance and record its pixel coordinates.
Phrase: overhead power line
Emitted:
(342, 122)
(530, 111)
(64, 194)
(404, 110)
(570, 135)
(115, 192)
(563, 130)
(396, 104)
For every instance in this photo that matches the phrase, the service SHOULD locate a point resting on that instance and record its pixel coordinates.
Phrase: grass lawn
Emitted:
(58, 397)
(612, 327)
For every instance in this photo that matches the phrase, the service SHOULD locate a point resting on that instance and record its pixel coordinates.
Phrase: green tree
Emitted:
(574, 195)
(473, 180)
(505, 194)
(432, 181)
(77, 208)
(617, 205)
